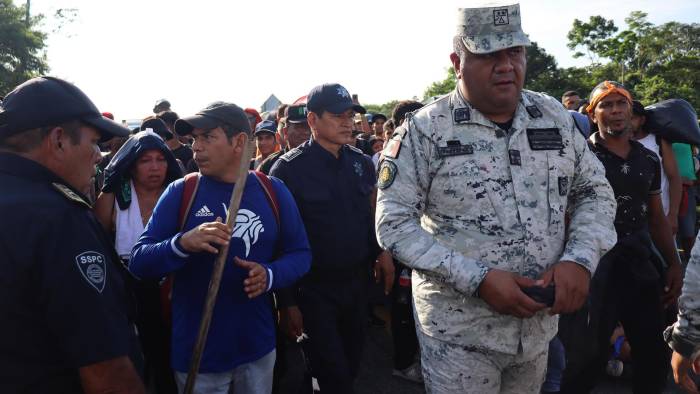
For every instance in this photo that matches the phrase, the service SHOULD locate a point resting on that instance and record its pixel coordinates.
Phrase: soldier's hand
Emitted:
(571, 282)
(291, 322)
(502, 291)
(201, 238)
(674, 282)
(681, 366)
(256, 283)
(384, 269)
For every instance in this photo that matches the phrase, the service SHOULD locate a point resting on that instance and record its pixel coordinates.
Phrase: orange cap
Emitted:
(605, 89)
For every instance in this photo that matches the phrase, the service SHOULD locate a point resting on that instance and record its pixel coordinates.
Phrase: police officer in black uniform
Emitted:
(296, 132)
(65, 310)
(333, 184)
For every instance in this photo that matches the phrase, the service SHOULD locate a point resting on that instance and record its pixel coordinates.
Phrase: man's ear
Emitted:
(312, 118)
(56, 141)
(240, 141)
(456, 64)
(591, 118)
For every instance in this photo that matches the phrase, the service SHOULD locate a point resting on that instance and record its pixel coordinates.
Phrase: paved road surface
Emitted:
(375, 376)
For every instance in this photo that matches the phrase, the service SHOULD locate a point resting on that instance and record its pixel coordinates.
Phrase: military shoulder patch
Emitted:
(70, 194)
(291, 155)
(93, 266)
(387, 174)
(392, 148)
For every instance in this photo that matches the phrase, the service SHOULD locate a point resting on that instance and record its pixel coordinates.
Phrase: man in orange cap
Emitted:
(628, 286)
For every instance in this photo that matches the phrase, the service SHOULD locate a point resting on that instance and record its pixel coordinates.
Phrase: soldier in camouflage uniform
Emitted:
(684, 335)
(473, 194)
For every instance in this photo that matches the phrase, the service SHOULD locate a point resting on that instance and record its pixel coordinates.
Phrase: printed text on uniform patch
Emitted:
(93, 267)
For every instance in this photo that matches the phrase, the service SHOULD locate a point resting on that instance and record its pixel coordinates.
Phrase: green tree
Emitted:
(441, 87)
(385, 108)
(654, 62)
(590, 35)
(543, 75)
(22, 46)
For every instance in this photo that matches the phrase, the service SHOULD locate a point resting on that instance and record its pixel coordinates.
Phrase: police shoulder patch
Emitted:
(93, 266)
(70, 194)
(387, 174)
(291, 155)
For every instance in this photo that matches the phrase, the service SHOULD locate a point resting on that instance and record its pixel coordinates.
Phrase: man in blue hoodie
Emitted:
(268, 250)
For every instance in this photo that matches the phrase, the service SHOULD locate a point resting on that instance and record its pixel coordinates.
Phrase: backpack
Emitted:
(189, 192)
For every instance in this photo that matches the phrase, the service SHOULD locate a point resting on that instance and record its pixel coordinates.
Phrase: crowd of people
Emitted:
(522, 244)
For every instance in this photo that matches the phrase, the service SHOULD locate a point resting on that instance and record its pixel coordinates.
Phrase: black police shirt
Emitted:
(333, 196)
(633, 180)
(63, 299)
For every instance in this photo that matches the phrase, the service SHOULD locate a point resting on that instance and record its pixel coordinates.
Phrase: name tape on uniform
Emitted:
(455, 148)
(545, 139)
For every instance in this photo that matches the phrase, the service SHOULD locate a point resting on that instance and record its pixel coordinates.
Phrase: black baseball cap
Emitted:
(158, 126)
(48, 101)
(374, 117)
(266, 126)
(296, 113)
(214, 115)
(333, 98)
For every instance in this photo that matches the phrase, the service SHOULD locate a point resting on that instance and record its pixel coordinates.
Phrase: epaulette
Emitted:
(70, 194)
(355, 149)
(289, 156)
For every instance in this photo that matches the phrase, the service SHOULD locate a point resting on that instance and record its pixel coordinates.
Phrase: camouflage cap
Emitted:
(490, 29)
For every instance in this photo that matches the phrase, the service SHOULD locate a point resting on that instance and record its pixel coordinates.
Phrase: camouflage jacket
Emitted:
(684, 335)
(459, 196)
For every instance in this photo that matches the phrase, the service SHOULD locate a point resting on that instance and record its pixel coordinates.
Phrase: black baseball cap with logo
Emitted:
(212, 116)
(296, 113)
(331, 97)
(48, 101)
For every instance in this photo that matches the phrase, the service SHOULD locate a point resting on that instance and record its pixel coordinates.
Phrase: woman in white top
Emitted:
(134, 180)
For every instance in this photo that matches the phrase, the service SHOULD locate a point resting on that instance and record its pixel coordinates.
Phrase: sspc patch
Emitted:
(387, 174)
(93, 267)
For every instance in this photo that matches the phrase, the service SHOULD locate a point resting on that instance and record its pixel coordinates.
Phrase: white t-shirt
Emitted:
(649, 142)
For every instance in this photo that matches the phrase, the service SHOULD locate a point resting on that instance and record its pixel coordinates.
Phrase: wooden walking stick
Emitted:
(219, 265)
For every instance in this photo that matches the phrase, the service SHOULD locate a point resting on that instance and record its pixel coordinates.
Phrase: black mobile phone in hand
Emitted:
(543, 295)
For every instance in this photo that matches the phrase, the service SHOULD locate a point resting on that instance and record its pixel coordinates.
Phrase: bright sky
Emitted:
(127, 54)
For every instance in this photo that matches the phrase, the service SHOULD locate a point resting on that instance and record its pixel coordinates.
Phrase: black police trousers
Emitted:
(154, 334)
(335, 318)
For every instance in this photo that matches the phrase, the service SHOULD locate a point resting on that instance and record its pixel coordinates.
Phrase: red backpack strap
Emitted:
(188, 193)
(270, 194)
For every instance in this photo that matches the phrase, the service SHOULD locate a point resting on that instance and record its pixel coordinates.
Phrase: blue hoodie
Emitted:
(242, 329)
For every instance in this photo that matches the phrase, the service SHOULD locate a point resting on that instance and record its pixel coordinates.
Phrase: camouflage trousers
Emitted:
(451, 368)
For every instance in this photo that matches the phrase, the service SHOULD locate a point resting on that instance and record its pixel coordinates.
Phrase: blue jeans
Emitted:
(254, 377)
(556, 362)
